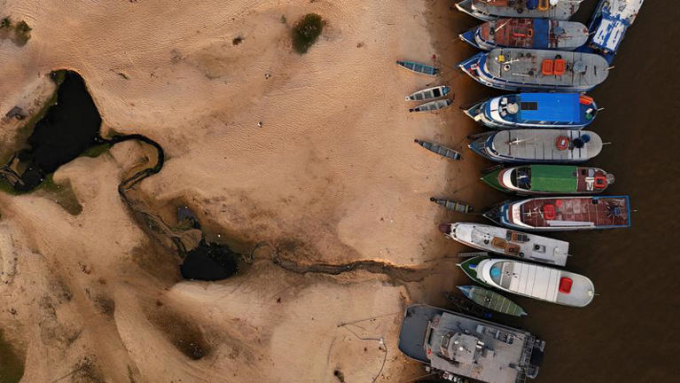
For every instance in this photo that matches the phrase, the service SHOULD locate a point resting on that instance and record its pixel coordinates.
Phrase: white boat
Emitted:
(432, 106)
(492, 9)
(538, 282)
(510, 243)
(429, 93)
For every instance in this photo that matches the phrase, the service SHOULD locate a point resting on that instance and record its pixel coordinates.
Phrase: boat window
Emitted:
(496, 273)
(529, 105)
(521, 177)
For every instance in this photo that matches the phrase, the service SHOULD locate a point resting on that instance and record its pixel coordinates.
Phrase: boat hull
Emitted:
(492, 301)
(488, 13)
(542, 34)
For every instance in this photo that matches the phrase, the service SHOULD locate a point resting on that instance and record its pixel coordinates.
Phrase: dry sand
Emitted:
(332, 176)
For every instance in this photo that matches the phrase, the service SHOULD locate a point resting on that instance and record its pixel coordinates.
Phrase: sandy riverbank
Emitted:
(332, 176)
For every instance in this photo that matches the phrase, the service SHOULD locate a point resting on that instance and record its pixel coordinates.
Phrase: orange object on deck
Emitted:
(549, 211)
(600, 181)
(585, 100)
(543, 5)
(560, 67)
(548, 67)
(562, 143)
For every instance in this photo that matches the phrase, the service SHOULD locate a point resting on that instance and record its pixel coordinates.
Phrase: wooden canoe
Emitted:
(419, 68)
(429, 93)
(492, 300)
(452, 205)
(432, 106)
(439, 149)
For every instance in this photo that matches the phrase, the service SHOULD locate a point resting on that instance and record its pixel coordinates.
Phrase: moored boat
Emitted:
(527, 33)
(516, 69)
(482, 350)
(549, 179)
(538, 145)
(439, 149)
(538, 282)
(508, 242)
(432, 106)
(429, 93)
(452, 205)
(492, 300)
(611, 20)
(469, 267)
(563, 213)
(419, 68)
(535, 110)
(492, 9)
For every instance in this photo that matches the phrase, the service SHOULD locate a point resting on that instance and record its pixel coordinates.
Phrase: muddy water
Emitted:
(631, 331)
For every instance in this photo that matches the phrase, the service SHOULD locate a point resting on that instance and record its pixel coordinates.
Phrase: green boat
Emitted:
(470, 268)
(491, 300)
(549, 179)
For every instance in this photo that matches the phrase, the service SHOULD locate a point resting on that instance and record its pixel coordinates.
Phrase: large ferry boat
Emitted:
(492, 9)
(563, 213)
(455, 346)
(527, 33)
(516, 69)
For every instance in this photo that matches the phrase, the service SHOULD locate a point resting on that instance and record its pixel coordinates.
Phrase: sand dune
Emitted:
(332, 176)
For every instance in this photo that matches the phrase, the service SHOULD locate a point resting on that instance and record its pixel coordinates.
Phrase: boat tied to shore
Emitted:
(537, 145)
(419, 68)
(611, 20)
(535, 281)
(456, 347)
(527, 33)
(452, 205)
(432, 106)
(563, 213)
(492, 9)
(509, 243)
(535, 110)
(439, 149)
(515, 69)
(429, 93)
(492, 300)
(549, 179)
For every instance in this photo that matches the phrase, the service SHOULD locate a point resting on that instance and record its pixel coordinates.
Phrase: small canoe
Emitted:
(429, 93)
(432, 106)
(491, 300)
(419, 68)
(469, 267)
(452, 205)
(439, 149)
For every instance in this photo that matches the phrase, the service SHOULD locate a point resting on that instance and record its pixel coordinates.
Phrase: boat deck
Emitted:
(488, 9)
(534, 33)
(540, 145)
(543, 68)
(574, 211)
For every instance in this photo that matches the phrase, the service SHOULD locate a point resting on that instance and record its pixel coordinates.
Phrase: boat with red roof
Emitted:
(563, 213)
(527, 33)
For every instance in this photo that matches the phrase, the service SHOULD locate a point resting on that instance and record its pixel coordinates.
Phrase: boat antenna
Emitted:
(600, 109)
(611, 67)
(606, 143)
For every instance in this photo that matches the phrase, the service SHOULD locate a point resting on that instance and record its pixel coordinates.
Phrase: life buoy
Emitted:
(562, 143)
(600, 181)
(585, 100)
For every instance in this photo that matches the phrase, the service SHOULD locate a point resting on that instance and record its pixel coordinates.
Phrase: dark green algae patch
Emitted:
(11, 365)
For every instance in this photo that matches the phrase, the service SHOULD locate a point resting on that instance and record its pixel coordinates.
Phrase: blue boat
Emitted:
(538, 146)
(527, 33)
(535, 110)
(609, 24)
(419, 68)
(516, 69)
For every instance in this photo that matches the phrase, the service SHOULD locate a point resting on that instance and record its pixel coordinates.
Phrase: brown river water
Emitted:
(631, 331)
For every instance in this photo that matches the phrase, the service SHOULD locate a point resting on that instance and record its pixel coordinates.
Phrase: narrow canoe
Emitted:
(469, 267)
(432, 106)
(439, 149)
(452, 205)
(419, 68)
(491, 300)
(429, 93)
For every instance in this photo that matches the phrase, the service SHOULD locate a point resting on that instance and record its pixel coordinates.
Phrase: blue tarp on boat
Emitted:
(541, 33)
(562, 107)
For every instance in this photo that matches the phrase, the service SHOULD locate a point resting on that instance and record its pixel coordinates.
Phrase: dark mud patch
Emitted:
(210, 262)
(87, 371)
(11, 363)
(185, 335)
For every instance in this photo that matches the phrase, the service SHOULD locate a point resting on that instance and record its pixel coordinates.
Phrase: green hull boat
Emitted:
(470, 268)
(548, 179)
(492, 301)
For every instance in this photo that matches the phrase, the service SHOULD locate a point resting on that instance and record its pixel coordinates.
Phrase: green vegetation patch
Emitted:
(19, 33)
(306, 32)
